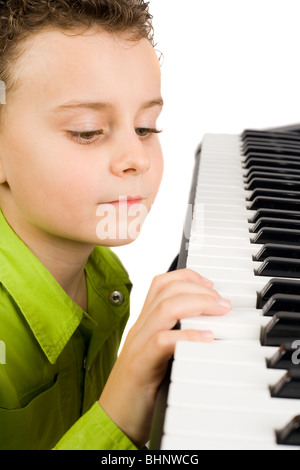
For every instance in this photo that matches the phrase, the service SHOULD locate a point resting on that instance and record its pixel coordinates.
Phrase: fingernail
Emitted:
(207, 334)
(207, 281)
(224, 303)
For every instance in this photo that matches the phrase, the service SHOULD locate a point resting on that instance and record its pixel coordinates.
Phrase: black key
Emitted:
(280, 174)
(288, 386)
(284, 194)
(282, 303)
(274, 140)
(276, 150)
(284, 359)
(275, 203)
(277, 236)
(283, 329)
(274, 213)
(258, 134)
(272, 147)
(265, 222)
(285, 164)
(271, 156)
(281, 267)
(277, 286)
(290, 434)
(277, 251)
(277, 144)
(268, 183)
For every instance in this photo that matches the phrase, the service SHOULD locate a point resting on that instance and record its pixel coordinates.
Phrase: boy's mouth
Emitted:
(127, 201)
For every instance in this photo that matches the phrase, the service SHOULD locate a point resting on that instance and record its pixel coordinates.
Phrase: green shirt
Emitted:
(57, 357)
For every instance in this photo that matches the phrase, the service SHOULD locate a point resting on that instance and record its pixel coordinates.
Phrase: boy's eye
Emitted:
(86, 137)
(146, 132)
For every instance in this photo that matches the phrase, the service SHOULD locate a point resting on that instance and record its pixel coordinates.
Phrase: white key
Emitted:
(231, 398)
(234, 425)
(238, 324)
(237, 375)
(237, 352)
(173, 442)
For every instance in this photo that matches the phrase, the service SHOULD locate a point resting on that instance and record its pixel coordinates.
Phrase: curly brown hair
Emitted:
(20, 19)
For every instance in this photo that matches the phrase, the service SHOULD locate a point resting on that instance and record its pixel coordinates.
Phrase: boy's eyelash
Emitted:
(79, 136)
(148, 131)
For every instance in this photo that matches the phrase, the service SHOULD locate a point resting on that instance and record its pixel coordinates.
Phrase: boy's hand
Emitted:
(129, 395)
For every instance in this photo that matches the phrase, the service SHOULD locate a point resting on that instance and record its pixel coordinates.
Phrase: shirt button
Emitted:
(116, 298)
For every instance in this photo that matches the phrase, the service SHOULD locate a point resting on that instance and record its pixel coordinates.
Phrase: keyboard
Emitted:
(241, 391)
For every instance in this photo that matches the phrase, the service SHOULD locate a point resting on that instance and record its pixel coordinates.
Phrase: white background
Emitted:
(228, 65)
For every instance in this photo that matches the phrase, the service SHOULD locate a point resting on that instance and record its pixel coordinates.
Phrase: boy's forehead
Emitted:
(60, 63)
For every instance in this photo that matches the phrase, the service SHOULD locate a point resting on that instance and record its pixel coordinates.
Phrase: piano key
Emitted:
(173, 442)
(226, 424)
(219, 251)
(278, 251)
(288, 386)
(276, 150)
(290, 434)
(222, 262)
(254, 161)
(234, 375)
(277, 235)
(283, 358)
(275, 223)
(218, 240)
(278, 286)
(224, 215)
(244, 399)
(287, 193)
(271, 173)
(238, 352)
(283, 329)
(256, 133)
(281, 267)
(275, 140)
(238, 324)
(236, 275)
(267, 202)
(269, 154)
(273, 213)
(282, 303)
(276, 184)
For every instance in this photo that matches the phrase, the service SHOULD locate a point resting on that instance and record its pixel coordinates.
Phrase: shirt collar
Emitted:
(50, 312)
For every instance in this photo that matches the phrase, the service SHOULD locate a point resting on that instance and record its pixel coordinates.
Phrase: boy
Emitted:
(78, 137)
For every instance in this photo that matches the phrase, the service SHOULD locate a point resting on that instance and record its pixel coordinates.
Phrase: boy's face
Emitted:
(74, 137)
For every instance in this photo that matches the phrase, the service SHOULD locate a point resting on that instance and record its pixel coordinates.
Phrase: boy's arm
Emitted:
(95, 431)
(129, 395)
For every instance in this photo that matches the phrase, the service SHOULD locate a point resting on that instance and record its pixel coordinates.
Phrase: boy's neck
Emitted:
(64, 259)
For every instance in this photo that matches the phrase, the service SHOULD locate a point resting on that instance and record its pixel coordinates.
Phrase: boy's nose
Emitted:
(130, 158)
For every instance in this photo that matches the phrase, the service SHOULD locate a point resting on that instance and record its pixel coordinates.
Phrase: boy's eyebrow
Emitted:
(102, 106)
(152, 103)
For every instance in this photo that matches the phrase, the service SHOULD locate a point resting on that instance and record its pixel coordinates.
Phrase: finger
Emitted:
(163, 344)
(174, 309)
(162, 280)
(174, 289)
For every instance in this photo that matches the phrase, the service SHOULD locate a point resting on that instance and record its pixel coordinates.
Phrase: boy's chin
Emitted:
(116, 242)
